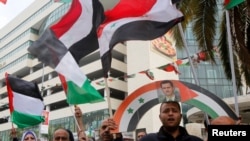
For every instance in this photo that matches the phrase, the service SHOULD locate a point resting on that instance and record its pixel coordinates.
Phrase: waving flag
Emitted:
(66, 42)
(135, 20)
(3, 1)
(25, 102)
(232, 3)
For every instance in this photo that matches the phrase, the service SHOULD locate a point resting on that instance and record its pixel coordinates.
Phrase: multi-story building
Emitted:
(129, 59)
(22, 31)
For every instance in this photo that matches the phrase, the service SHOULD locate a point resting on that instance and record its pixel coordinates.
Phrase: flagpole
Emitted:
(191, 64)
(42, 89)
(229, 40)
(107, 91)
(78, 126)
(189, 58)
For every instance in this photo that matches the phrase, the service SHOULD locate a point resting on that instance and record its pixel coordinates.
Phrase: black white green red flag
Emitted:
(66, 42)
(232, 3)
(135, 20)
(25, 102)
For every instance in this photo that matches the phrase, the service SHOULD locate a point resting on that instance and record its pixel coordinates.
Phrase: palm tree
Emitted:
(202, 14)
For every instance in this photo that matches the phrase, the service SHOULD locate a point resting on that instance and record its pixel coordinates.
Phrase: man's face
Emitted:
(105, 134)
(61, 135)
(82, 136)
(167, 89)
(140, 135)
(170, 115)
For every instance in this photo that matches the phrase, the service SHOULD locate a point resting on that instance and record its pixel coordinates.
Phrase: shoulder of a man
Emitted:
(192, 138)
(15, 139)
(150, 137)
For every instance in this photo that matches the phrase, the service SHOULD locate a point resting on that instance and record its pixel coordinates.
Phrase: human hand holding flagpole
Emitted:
(80, 124)
(107, 91)
(13, 132)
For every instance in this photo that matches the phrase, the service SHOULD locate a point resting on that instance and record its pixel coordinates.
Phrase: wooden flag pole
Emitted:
(107, 92)
(78, 126)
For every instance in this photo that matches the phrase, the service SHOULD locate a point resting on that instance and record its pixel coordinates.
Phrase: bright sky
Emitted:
(11, 9)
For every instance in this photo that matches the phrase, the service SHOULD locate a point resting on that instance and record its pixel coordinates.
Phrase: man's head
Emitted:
(62, 134)
(167, 87)
(140, 134)
(106, 126)
(170, 115)
(223, 120)
(82, 136)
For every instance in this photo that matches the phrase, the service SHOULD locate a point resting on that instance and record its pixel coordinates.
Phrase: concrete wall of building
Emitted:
(141, 57)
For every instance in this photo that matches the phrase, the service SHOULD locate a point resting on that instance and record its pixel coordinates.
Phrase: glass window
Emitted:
(227, 91)
(212, 75)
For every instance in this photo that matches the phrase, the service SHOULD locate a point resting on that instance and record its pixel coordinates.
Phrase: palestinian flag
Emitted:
(135, 20)
(66, 42)
(133, 108)
(25, 102)
(232, 3)
(3, 1)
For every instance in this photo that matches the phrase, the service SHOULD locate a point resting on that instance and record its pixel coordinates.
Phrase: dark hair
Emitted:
(171, 102)
(167, 81)
(71, 136)
(141, 130)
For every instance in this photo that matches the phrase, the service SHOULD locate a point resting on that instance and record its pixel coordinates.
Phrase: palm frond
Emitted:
(185, 6)
(204, 27)
(223, 48)
(246, 74)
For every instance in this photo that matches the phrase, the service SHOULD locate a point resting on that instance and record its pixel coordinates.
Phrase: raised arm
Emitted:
(80, 129)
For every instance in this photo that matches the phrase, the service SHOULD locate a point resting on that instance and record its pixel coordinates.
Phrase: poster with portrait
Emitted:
(168, 92)
(144, 98)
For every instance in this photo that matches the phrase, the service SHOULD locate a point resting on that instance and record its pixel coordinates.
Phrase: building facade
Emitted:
(20, 33)
(129, 60)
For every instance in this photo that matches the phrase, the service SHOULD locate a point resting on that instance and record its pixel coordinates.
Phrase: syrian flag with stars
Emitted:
(132, 109)
(135, 20)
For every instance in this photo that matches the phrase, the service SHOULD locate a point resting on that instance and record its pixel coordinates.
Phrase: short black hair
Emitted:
(71, 136)
(167, 81)
(171, 102)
